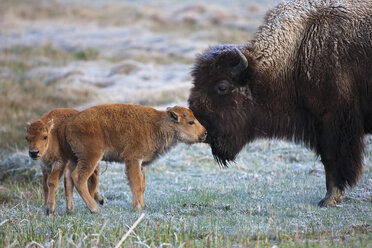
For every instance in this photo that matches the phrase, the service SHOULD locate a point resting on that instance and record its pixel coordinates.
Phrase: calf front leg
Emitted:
(45, 188)
(69, 188)
(143, 186)
(53, 181)
(93, 187)
(136, 183)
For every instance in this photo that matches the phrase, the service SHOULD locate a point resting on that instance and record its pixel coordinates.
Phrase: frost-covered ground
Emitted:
(142, 52)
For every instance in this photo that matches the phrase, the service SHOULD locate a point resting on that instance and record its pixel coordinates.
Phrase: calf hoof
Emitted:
(49, 211)
(98, 198)
(138, 207)
(94, 210)
(70, 209)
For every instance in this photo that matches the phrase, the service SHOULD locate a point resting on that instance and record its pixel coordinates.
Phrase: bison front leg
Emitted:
(136, 183)
(334, 193)
(53, 181)
(340, 146)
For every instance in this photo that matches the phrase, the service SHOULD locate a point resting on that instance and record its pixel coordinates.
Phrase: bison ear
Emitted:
(173, 115)
(28, 124)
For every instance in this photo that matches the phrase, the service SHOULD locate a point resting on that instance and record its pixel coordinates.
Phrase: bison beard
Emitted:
(305, 77)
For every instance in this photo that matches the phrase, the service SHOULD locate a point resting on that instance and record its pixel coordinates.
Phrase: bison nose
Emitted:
(33, 153)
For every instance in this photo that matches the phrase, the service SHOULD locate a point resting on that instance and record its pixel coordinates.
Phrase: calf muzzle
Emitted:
(33, 154)
(203, 137)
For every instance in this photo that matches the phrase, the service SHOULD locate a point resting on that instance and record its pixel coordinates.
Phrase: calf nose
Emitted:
(203, 136)
(33, 153)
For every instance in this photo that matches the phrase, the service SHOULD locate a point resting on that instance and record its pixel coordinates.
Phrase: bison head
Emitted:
(219, 101)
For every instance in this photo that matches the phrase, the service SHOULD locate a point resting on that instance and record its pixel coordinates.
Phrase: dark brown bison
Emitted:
(305, 77)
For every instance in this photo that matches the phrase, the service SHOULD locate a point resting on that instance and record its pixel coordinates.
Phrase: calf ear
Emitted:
(173, 115)
(28, 124)
(50, 125)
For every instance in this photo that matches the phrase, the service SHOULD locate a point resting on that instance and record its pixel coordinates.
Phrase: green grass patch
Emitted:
(86, 54)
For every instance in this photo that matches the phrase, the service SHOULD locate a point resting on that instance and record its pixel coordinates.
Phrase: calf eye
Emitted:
(191, 122)
(26, 138)
(45, 137)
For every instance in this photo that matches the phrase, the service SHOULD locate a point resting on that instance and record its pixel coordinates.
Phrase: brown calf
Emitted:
(133, 134)
(44, 144)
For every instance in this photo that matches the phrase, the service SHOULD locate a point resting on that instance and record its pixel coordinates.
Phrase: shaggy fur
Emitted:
(133, 134)
(45, 144)
(309, 80)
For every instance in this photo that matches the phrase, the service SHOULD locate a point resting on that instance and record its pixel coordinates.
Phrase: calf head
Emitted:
(37, 138)
(187, 127)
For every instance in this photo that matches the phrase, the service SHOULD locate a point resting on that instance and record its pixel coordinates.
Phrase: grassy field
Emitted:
(269, 197)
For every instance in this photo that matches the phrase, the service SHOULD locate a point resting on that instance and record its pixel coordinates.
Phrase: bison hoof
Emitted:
(332, 198)
(330, 201)
(327, 202)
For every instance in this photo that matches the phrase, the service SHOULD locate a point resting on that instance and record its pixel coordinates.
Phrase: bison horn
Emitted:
(243, 63)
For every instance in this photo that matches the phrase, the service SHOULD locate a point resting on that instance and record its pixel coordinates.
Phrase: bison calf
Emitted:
(45, 144)
(133, 134)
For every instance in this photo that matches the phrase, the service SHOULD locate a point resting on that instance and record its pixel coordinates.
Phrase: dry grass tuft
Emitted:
(22, 100)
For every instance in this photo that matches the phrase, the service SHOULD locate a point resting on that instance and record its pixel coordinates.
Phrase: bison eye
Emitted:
(222, 88)
(45, 137)
(191, 122)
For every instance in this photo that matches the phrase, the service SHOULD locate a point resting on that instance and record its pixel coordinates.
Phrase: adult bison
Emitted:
(306, 76)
